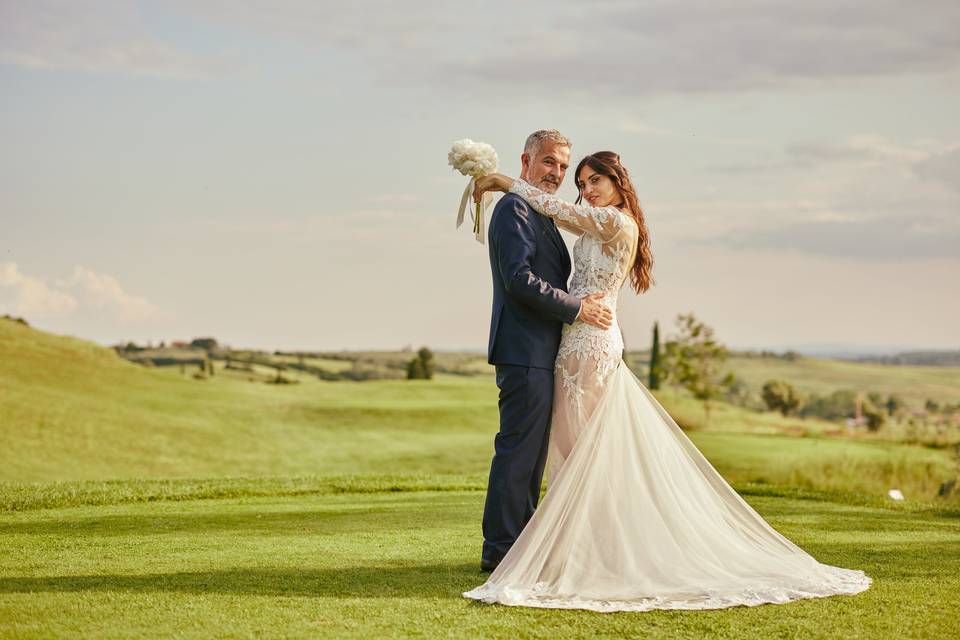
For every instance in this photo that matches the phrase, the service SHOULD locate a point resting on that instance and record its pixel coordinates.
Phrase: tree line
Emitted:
(693, 359)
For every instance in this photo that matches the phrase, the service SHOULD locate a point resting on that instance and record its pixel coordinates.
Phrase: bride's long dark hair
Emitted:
(607, 163)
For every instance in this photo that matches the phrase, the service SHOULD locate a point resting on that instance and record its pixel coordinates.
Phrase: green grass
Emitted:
(828, 464)
(816, 375)
(75, 411)
(328, 364)
(139, 502)
(392, 564)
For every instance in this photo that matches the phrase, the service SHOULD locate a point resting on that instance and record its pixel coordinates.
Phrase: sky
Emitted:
(275, 174)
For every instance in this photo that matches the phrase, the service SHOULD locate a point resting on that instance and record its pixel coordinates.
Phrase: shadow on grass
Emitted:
(331, 518)
(883, 562)
(349, 582)
(348, 513)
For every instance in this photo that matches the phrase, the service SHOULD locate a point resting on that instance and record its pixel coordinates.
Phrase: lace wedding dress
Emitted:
(634, 517)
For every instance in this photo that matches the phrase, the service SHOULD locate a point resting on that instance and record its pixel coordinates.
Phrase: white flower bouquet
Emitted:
(473, 159)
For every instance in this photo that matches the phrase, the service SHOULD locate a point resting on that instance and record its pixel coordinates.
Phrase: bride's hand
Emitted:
(492, 182)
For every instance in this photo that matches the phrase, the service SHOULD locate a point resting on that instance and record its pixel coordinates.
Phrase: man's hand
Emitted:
(592, 312)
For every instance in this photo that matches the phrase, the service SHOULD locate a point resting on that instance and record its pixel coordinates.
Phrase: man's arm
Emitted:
(515, 248)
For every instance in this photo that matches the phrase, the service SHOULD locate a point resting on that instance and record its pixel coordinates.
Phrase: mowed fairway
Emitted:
(225, 508)
(393, 565)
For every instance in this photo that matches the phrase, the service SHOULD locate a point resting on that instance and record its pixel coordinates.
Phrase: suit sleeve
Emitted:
(515, 244)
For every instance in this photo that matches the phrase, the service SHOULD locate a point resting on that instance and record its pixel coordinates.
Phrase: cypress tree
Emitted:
(654, 381)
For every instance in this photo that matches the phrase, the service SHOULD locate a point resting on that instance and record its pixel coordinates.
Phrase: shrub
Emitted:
(838, 405)
(780, 395)
(875, 415)
(421, 367)
(207, 344)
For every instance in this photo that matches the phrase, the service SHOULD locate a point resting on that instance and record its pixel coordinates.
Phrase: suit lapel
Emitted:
(550, 228)
(554, 234)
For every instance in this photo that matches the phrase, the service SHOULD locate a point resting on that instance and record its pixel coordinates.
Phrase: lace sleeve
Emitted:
(601, 222)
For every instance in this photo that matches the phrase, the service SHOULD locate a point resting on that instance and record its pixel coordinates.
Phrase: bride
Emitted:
(634, 518)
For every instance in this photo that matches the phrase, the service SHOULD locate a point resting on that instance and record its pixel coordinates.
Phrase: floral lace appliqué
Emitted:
(602, 258)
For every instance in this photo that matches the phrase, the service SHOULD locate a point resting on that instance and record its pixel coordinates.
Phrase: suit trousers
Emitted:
(520, 454)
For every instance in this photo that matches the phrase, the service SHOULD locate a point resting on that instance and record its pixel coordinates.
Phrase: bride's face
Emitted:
(597, 189)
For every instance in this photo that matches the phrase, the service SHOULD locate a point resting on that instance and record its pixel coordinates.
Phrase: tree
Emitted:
(654, 377)
(875, 415)
(426, 357)
(738, 393)
(669, 367)
(415, 370)
(780, 395)
(696, 361)
(207, 344)
(839, 404)
(421, 367)
(894, 404)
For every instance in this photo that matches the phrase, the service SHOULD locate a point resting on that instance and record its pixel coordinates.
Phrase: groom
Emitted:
(530, 266)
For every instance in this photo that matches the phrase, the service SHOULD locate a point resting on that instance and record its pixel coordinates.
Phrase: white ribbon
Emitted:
(486, 200)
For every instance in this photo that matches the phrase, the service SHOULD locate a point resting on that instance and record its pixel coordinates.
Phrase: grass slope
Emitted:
(816, 375)
(71, 410)
(74, 411)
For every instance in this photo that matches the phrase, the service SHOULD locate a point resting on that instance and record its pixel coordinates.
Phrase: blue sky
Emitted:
(274, 173)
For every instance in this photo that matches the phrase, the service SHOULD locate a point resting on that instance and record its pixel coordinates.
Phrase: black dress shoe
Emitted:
(486, 566)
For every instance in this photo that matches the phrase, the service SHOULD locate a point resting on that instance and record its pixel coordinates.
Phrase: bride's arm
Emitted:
(601, 222)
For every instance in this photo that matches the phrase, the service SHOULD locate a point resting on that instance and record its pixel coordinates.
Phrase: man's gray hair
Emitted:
(536, 139)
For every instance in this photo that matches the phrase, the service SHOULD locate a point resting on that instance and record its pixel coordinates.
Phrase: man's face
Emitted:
(546, 169)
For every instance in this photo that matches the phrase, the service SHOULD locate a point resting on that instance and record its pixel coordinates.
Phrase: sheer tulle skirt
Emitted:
(635, 518)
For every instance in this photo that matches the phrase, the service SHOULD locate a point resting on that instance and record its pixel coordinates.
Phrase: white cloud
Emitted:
(704, 46)
(866, 197)
(84, 292)
(103, 36)
(103, 292)
(616, 48)
(32, 297)
(624, 48)
(941, 167)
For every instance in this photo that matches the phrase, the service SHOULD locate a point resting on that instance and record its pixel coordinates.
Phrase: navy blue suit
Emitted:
(530, 267)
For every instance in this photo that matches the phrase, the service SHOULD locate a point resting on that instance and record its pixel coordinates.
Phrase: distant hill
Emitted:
(919, 358)
(74, 410)
(914, 383)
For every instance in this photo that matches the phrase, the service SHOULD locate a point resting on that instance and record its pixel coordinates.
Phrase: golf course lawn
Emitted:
(142, 503)
(391, 563)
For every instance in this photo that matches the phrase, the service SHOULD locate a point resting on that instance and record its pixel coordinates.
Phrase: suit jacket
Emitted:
(530, 267)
